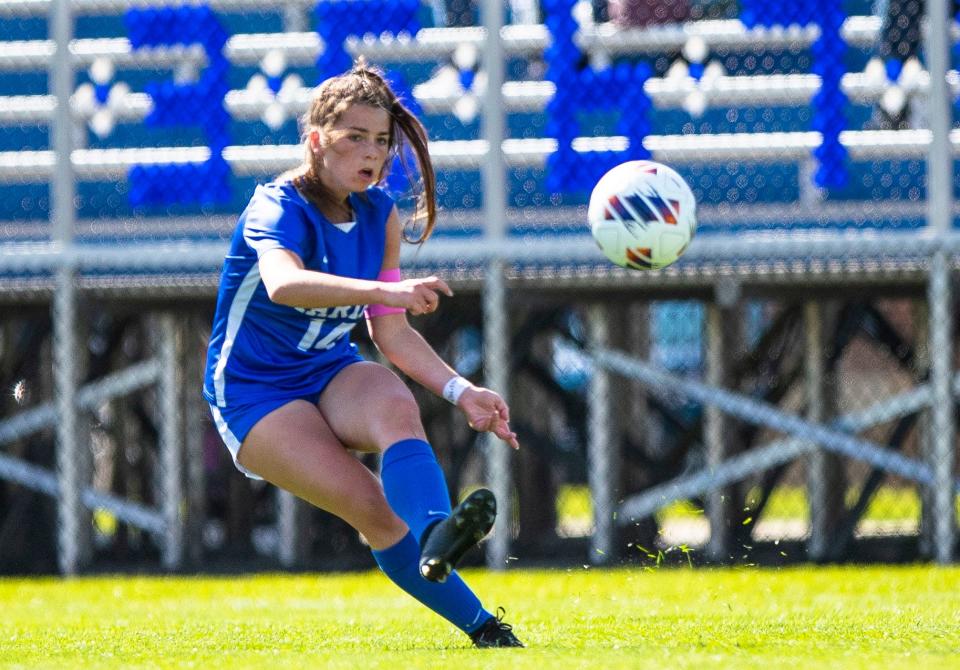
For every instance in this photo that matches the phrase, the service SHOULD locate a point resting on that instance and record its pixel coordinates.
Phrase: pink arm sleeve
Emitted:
(372, 311)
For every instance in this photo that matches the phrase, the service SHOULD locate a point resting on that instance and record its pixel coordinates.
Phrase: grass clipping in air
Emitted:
(903, 617)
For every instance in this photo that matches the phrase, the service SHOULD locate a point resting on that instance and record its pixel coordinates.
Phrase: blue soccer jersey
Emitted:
(260, 349)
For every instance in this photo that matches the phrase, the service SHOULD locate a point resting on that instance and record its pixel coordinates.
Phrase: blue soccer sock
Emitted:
(453, 599)
(414, 485)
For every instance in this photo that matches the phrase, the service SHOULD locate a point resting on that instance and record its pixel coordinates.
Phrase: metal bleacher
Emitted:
(769, 110)
(741, 132)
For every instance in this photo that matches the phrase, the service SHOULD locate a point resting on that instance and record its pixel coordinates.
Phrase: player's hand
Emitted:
(417, 296)
(487, 412)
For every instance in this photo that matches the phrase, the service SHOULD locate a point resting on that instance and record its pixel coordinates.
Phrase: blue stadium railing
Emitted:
(716, 182)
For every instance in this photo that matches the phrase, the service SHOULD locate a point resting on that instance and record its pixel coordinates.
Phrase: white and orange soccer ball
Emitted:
(642, 215)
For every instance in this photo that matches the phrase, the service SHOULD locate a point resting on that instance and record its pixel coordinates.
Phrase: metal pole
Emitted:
(941, 413)
(601, 445)
(195, 415)
(719, 505)
(825, 483)
(496, 363)
(61, 75)
(496, 358)
(493, 125)
(170, 438)
(292, 516)
(939, 161)
(70, 510)
(84, 446)
(296, 18)
(921, 358)
(816, 475)
(939, 197)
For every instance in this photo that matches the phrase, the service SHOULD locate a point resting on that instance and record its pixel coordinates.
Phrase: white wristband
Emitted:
(454, 388)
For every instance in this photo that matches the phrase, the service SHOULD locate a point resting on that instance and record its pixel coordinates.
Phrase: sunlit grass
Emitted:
(787, 503)
(877, 617)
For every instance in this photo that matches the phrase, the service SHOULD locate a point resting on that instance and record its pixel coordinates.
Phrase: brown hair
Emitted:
(366, 85)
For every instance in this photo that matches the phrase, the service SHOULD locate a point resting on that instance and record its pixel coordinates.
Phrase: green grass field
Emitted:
(798, 618)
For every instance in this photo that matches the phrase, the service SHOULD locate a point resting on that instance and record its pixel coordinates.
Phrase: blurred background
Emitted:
(783, 393)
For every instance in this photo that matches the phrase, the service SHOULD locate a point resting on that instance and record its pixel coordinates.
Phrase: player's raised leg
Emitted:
(388, 421)
(294, 448)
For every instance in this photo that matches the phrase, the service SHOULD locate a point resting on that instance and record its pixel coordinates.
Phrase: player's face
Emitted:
(356, 150)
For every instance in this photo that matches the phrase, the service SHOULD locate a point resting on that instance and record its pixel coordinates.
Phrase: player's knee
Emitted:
(400, 421)
(402, 401)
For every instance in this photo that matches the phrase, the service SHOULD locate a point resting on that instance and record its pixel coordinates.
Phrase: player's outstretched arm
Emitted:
(403, 346)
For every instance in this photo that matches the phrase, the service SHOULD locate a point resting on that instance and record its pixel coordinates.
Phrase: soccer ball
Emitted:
(642, 215)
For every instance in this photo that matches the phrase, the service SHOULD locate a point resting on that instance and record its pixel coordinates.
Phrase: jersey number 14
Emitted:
(312, 340)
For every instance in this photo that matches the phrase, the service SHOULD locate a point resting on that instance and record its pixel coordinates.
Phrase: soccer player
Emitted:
(313, 253)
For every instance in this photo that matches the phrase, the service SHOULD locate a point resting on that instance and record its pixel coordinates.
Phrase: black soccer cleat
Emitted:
(450, 539)
(495, 633)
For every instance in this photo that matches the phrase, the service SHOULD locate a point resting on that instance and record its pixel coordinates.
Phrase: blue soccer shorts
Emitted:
(235, 421)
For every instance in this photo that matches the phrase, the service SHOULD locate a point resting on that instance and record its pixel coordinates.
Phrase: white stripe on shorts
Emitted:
(233, 444)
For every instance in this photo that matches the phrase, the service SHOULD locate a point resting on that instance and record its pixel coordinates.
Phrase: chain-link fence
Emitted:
(784, 392)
